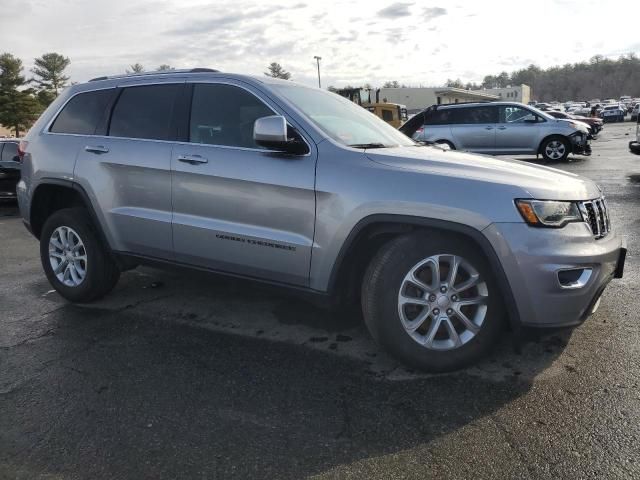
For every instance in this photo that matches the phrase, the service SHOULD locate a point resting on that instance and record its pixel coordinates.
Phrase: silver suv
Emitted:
(296, 186)
(499, 128)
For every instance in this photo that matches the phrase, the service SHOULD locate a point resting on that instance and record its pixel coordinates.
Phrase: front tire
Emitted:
(430, 299)
(75, 261)
(555, 149)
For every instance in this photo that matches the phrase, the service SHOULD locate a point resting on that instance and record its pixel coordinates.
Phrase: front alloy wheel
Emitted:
(442, 302)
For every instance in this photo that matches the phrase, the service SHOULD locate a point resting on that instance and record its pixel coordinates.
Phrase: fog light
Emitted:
(574, 277)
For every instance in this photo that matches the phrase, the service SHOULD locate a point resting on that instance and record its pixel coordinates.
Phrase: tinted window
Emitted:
(144, 112)
(387, 115)
(473, 115)
(438, 117)
(9, 152)
(82, 113)
(224, 115)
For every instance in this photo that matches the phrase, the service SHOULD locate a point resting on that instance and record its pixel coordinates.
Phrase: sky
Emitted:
(360, 41)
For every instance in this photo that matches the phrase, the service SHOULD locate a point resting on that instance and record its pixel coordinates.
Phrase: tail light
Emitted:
(419, 130)
(22, 149)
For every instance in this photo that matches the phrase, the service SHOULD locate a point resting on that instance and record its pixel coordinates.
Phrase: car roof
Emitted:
(193, 73)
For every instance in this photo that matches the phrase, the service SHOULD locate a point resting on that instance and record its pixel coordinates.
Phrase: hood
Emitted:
(583, 127)
(536, 181)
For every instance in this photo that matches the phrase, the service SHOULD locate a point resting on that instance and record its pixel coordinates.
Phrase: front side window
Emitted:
(515, 114)
(144, 112)
(387, 115)
(82, 113)
(224, 115)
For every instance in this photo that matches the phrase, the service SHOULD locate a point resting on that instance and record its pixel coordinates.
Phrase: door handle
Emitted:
(192, 159)
(502, 128)
(96, 149)
(488, 128)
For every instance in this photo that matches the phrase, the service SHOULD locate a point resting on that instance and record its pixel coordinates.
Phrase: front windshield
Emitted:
(343, 120)
(544, 115)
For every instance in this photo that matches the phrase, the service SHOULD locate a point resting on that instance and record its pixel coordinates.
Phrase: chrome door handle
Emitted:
(96, 149)
(192, 159)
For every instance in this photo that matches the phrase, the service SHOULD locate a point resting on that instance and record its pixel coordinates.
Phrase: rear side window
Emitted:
(145, 112)
(438, 117)
(9, 152)
(474, 115)
(82, 113)
(224, 115)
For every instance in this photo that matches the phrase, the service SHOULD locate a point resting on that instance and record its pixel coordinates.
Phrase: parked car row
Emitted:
(9, 168)
(500, 128)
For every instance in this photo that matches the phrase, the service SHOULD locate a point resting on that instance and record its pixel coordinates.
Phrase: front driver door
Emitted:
(238, 207)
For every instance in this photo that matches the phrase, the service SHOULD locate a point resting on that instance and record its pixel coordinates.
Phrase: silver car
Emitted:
(299, 187)
(499, 128)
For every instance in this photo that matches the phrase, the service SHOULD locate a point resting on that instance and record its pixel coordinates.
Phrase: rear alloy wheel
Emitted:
(75, 260)
(555, 149)
(430, 299)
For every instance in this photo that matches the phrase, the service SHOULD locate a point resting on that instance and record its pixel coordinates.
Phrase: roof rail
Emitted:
(163, 72)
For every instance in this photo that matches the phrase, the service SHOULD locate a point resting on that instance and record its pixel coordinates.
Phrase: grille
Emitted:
(597, 216)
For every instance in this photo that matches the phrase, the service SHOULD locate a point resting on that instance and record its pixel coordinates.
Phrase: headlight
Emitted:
(549, 213)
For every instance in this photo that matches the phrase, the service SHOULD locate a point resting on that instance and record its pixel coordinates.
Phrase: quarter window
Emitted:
(224, 115)
(82, 113)
(145, 112)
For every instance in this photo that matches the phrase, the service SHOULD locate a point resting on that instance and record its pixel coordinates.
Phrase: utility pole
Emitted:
(317, 58)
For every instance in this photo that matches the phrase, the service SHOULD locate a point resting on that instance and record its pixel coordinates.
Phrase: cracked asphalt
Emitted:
(184, 375)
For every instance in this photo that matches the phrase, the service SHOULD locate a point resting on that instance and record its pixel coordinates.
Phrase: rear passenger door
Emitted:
(126, 170)
(238, 207)
(474, 128)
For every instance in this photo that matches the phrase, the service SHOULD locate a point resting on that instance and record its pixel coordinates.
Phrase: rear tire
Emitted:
(77, 263)
(555, 149)
(432, 346)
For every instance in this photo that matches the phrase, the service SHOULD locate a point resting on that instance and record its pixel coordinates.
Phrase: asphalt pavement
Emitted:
(186, 375)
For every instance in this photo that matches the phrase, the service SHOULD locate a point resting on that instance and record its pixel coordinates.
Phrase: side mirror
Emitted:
(271, 132)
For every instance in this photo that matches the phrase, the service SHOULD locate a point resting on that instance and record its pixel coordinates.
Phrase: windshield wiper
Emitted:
(368, 145)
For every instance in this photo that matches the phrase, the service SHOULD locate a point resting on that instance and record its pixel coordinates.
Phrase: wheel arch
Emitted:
(54, 194)
(553, 135)
(370, 233)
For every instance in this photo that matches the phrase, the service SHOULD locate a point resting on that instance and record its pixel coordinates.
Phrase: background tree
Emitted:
(49, 76)
(391, 84)
(18, 108)
(135, 68)
(276, 71)
(457, 83)
(164, 68)
(49, 72)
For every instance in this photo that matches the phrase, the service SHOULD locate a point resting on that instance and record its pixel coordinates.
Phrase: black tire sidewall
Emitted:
(79, 220)
(382, 315)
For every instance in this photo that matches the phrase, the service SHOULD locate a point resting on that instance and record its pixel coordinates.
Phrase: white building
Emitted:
(417, 99)
(517, 93)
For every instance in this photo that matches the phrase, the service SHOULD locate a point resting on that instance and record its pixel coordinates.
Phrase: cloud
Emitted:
(395, 10)
(431, 13)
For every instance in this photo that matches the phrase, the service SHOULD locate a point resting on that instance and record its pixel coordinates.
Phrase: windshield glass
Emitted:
(342, 120)
(544, 115)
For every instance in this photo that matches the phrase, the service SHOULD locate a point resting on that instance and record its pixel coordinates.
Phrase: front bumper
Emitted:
(580, 144)
(532, 259)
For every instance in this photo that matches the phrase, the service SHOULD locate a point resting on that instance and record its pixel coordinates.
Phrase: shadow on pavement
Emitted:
(99, 393)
